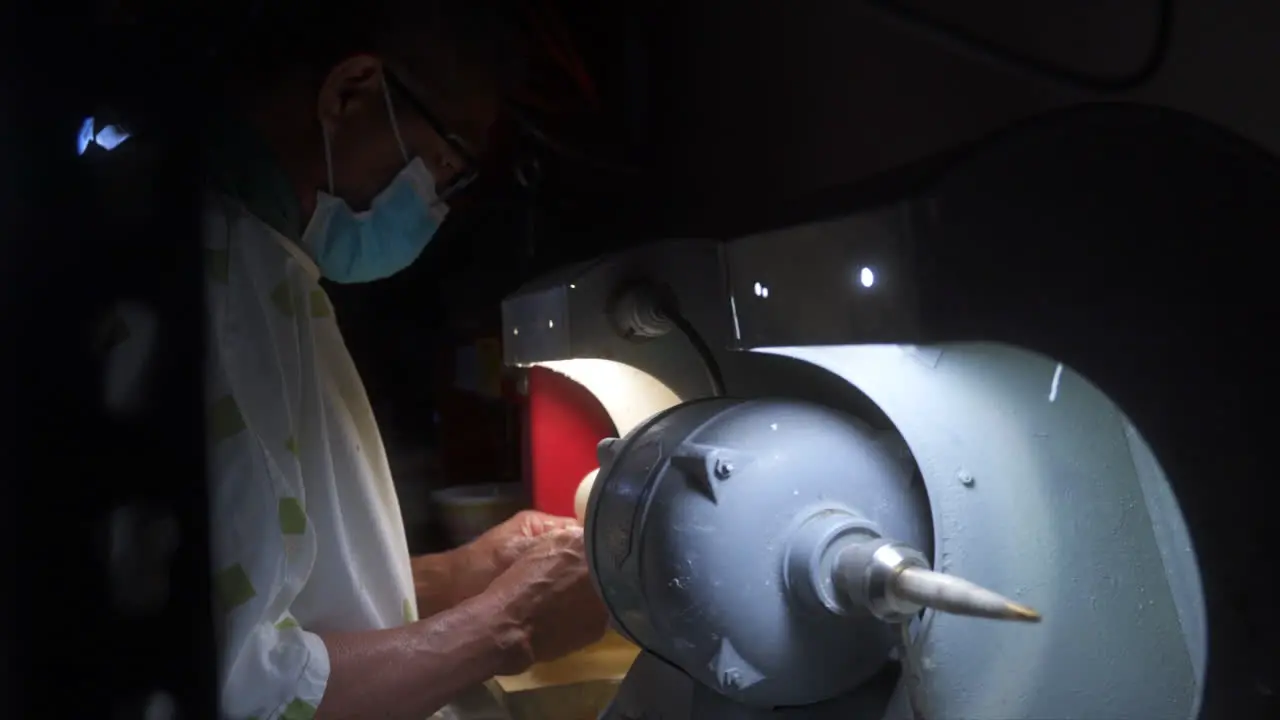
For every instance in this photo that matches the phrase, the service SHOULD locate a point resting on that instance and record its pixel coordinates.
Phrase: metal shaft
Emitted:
(894, 582)
(950, 594)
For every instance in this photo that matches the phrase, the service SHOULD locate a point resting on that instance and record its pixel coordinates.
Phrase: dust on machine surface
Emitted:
(773, 530)
(864, 472)
(972, 436)
(880, 530)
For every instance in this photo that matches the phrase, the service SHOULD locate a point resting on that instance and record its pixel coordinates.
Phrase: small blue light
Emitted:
(110, 137)
(85, 137)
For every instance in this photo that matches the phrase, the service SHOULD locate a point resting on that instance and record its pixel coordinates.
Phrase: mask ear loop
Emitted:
(391, 114)
(395, 129)
(436, 201)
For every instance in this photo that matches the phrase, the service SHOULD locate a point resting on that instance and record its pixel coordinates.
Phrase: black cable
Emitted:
(962, 39)
(700, 346)
(641, 310)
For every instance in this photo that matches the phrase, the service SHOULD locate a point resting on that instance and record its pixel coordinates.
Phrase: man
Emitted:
(338, 159)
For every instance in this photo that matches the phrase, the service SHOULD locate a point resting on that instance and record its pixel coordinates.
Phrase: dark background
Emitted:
(732, 116)
(710, 119)
(718, 118)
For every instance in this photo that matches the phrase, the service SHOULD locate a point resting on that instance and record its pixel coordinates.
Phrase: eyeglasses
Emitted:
(466, 175)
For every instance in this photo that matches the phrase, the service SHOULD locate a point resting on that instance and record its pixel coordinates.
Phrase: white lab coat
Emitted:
(307, 532)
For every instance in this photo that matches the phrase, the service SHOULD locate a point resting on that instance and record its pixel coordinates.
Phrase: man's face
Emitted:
(448, 136)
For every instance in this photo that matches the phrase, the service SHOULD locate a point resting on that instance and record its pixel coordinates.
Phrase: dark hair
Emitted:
(447, 44)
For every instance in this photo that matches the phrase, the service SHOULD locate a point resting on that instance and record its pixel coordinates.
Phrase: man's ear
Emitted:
(348, 87)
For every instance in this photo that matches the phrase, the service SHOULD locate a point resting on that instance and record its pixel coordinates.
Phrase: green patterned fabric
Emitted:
(298, 710)
(225, 419)
(233, 587)
(293, 519)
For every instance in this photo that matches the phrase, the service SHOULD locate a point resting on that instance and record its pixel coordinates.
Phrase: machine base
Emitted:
(654, 689)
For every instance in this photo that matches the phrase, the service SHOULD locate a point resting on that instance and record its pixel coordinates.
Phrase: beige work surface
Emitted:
(607, 660)
(579, 701)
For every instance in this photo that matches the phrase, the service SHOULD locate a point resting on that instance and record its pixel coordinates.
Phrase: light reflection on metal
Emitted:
(894, 582)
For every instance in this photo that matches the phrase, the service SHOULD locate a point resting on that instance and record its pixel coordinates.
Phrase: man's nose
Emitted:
(448, 165)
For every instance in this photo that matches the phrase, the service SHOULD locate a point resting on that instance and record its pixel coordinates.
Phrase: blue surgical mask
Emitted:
(355, 247)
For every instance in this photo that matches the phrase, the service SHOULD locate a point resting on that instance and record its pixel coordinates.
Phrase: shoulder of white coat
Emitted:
(235, 242)
(215, 236)
(216, 211)
(232, 266)
(246, 261)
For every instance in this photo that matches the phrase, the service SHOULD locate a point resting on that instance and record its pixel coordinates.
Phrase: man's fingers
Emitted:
(556, 541)
(555, 522)
(534, 523)
(560, 537)
(520, 544)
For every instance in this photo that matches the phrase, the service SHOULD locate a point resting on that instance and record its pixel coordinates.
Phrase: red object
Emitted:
(546, 26)
(563, 424)
(555, 38)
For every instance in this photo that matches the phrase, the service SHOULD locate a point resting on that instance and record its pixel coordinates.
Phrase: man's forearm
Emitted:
(439, 581)
(412, 671)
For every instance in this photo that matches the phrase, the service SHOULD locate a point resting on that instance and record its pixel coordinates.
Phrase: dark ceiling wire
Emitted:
(963, 40)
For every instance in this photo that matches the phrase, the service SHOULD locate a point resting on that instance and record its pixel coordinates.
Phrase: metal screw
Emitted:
(966, 478)
(723, 469)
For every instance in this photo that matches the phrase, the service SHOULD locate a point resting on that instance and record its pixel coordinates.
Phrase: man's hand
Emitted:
(548, 597)
(542, 607)
(500, 546)
(447, 579)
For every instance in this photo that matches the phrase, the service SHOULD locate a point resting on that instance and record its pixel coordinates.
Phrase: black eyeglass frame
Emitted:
(457, 144)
